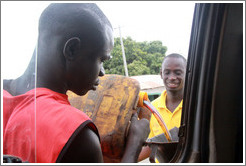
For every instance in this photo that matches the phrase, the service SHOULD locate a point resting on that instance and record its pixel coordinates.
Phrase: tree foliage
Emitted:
(141, 57)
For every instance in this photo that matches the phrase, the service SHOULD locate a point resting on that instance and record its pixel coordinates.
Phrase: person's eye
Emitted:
(103, 59)
(178, 72)
(166, 72)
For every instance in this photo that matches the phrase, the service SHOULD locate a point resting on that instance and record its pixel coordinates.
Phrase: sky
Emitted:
(167, 21)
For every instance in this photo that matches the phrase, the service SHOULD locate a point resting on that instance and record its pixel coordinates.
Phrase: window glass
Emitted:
(167, 22)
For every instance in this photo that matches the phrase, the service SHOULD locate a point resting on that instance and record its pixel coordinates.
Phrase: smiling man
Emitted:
(169, 104)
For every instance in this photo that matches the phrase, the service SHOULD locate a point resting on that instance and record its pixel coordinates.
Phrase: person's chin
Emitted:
(172, 88)
(81, 93)
(85, 91)
(93, 88)
(177, 89)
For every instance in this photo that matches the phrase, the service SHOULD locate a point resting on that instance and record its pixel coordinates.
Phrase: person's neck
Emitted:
(52, 85)
(50, 72)
(173, 99)
(174, 96)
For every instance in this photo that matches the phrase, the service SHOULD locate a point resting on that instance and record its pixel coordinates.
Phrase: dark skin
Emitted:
(173, 75)
(172, 72)
(72, 59)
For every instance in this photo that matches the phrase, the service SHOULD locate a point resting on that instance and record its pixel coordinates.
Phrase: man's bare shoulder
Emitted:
(83, 148)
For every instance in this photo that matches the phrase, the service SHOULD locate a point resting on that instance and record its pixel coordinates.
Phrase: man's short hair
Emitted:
(175, 55)
(55, 15)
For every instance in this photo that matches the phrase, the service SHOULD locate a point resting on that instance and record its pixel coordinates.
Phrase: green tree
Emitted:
(141, 57)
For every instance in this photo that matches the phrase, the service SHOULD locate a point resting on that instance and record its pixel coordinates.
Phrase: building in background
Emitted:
(152, 84)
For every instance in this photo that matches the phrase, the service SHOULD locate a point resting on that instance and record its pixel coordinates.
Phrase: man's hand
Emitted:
(137, 134)
(139, 128)
(144, 112)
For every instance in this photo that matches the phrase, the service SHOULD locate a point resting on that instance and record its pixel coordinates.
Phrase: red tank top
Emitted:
(37, 131)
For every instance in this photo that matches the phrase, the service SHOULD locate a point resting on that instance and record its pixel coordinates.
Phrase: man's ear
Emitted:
(161, 73)
(71, 48)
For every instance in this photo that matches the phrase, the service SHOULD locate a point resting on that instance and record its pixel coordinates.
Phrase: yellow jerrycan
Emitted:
(110, 107)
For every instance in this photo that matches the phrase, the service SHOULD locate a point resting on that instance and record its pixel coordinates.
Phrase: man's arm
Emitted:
(84, 148)
(145, 153)
(138, 133)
